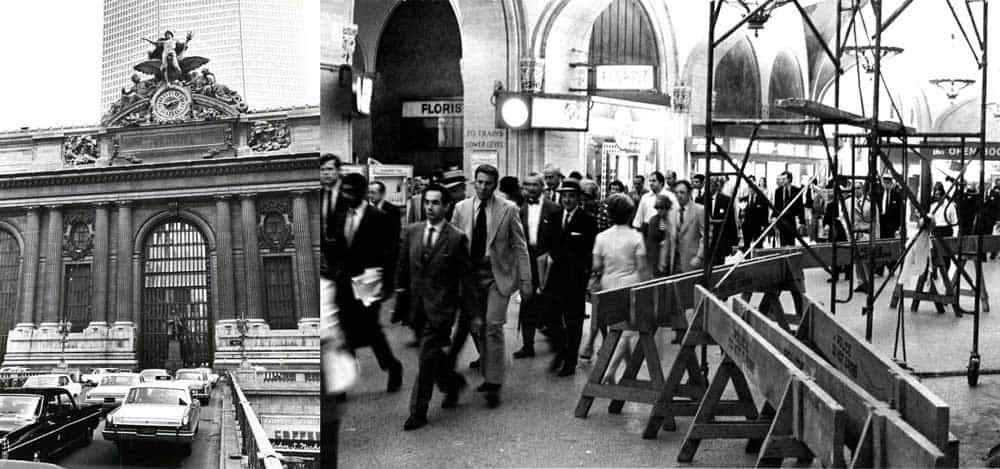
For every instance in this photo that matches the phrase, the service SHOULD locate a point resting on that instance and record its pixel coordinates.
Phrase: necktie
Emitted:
(565, 220)
(787, 196)
(680, 222)
(429, 242)
(325, 211)
(349, 225)
(479, 234)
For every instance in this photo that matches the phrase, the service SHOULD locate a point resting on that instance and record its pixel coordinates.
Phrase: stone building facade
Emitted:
(182, 207)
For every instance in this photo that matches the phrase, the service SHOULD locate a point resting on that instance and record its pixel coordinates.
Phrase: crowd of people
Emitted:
(454, 261)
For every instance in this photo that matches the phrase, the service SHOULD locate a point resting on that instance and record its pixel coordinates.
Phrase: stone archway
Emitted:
(11, 262)
(786, 82)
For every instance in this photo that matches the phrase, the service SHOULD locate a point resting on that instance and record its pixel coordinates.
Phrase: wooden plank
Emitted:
(832, 115)
(876, 374)
(887, 250)
(903, 446)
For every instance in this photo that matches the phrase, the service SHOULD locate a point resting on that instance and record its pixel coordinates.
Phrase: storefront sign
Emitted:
(625, 77)
(426, 109)
(485, 139)
(560, 113)
(478, 158)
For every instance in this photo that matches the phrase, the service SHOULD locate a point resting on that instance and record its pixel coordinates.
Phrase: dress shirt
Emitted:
(437, 232)
(946, 215)
(647, 204)
(534, 216)
(476, 202)
(567, 216)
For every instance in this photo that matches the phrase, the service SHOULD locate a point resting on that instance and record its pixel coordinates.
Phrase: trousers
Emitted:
(433, 367)
(489, 337)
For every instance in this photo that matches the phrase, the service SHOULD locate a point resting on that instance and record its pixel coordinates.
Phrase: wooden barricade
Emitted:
(801, 420)
(927, 413)
(662, 302)
(926, 289)
(877, 434)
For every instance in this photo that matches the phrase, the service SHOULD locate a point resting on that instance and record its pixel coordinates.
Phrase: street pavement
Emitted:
(535, 426)
(102, 454)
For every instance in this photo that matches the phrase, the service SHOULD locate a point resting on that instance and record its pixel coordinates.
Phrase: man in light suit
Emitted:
(500, 260)
(538, 215)
(434, 268)
(684, 249)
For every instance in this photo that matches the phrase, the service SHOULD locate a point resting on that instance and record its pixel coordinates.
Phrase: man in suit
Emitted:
(698, 185)
(787, 195)
(414, 205)
(553, 181)
(329, 181)
(359, 241)
(638, 189)
(723, 218)
(890, 208)
(434, 267)
(684, 249)
(571, 251)
(500, 260)
(755, 216)
(538, 217)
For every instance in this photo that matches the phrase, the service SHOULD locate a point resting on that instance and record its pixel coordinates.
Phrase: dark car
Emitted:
(40, 422)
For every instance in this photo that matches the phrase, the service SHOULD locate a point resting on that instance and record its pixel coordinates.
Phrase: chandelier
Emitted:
(865, 56)
(758, 12)
(952, 86)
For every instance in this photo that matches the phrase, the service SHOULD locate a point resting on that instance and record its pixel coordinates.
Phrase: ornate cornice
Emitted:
(151, 172)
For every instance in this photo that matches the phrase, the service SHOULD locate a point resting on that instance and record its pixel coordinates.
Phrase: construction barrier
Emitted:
(806, 421)
(882, 378)
(646, 306)
(876, 433)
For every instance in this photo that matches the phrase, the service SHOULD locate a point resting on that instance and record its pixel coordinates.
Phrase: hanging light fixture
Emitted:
(758, 16)
(865, 56)
(952, 86)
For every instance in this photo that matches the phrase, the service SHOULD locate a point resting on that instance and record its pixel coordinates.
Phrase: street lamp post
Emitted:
(243, 326)
(64, 328)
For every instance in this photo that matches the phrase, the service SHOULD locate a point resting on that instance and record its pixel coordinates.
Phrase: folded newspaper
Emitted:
(368, 286)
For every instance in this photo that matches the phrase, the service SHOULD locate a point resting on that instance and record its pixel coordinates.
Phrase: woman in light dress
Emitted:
(619, 261)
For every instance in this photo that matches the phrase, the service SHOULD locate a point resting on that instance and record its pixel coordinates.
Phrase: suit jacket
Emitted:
(439, 279)
(394, 216)
(573, 245)
(371, 247)
(728, 225)
(889, 216)
(550, 216)
(415, 209)
(796, 211)
(505, 243)
(688, 244)
(756, 213)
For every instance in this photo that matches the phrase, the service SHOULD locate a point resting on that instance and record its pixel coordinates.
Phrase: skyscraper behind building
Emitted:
(267, 50)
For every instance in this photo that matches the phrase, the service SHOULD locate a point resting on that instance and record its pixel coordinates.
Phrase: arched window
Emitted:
(176, 286)
(10, 256)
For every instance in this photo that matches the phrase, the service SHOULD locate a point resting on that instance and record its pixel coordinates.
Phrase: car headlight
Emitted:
(110, 419)
(184, 421)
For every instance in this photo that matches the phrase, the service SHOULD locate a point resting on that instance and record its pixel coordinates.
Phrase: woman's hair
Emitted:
(619, 185)
(620, 208)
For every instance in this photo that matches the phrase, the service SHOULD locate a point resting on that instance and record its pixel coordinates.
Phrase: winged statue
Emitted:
(166, 61)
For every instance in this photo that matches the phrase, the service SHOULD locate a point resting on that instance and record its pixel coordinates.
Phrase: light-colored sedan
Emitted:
(95, 375)
(213, 378)
(54, 381)
(113, 388)
(156, 374)
(197, 381)
(154, 411)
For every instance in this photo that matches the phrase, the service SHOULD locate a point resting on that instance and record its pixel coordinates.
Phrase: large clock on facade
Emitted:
(171, 103)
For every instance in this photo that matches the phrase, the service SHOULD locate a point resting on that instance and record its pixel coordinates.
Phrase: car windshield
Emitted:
(157, 396)
(191, 375)
(119, 380)
(41, 381)
(22, 407)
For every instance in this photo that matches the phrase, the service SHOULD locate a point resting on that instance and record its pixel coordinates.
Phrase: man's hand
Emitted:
(696, 262)
(527, 291)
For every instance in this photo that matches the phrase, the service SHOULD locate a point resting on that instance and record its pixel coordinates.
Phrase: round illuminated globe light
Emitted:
(514, 112)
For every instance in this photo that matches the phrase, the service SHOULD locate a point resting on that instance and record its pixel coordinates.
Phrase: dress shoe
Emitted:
(395, 378)
(415, 343)
(451, 397)
(414, 422)
(488, 387)
(474, 365)
(556, 363)
(493, 399)
(567, 369)
(525, 352)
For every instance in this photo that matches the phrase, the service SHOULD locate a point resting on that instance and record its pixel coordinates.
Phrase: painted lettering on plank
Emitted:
(843, 356)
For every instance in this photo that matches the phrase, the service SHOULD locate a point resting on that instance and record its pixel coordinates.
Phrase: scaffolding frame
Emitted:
(876, 136)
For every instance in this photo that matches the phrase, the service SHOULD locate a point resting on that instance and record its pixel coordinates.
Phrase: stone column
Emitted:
(251, 253)
(53, 266)
(308, 279)
(31, 249)
(224, 253)
(101, 245)
(123, 297)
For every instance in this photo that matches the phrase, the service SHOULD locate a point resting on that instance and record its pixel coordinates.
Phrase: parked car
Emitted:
(113, 388)
(161, 411)
(213, 378)
(54, 381)
(40, 422)
(156, 374)
(95, 375)
(197, 381)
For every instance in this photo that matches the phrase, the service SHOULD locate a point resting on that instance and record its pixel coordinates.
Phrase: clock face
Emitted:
(171, 104)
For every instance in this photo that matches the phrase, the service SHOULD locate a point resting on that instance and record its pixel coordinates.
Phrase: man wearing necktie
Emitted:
(329, 181)
(572, 255)
(755, 217)
(359, 243)
(784, 196)
(723, 222)
(553, 181)
(687, 243)
(538, 217)
(500, 260)
(435, 269)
